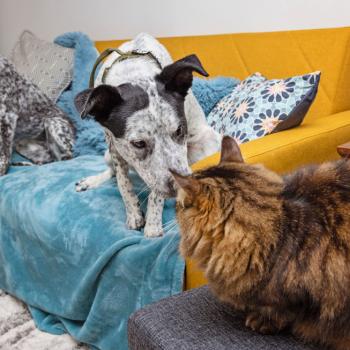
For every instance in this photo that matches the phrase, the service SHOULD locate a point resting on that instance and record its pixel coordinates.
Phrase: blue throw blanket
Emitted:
(209, 92)
(71, 258)
(90, 135)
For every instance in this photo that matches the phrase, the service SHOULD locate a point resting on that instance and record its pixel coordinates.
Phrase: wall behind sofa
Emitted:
(108, 19)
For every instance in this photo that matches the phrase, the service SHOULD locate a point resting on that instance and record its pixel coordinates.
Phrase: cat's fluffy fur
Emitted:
(277, 248)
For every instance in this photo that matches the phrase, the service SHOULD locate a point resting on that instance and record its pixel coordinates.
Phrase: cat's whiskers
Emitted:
(170, 226)
(143, 189)
(171, 230)
(169, 223)
(144, 201)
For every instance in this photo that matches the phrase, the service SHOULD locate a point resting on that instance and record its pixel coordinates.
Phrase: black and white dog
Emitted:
(30, 122)
(153, 123)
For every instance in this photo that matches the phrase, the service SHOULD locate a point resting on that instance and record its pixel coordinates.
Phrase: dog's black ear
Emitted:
(178, 76)
(98, 102)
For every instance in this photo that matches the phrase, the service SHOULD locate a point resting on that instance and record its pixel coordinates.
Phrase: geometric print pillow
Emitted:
(47, 65)
(257, 106)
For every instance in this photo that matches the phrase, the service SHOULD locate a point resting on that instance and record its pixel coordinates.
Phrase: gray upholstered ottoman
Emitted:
(196, 320)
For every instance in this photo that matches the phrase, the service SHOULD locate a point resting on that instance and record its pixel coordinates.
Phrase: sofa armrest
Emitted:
(197, 320)
(313, 142)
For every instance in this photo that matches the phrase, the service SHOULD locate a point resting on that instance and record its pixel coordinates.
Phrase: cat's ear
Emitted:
(230, 151)
(188, 183)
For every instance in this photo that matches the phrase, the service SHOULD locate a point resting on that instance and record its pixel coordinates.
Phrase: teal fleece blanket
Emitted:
(71, 258)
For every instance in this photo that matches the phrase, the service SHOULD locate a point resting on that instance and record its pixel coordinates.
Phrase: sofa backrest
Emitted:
(275, 55)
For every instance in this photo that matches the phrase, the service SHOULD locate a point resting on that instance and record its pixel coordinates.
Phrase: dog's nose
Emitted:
(171, 185)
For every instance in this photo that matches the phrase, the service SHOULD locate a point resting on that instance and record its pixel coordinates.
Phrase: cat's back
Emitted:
(318, 183)
(316, 207)
(316, 221)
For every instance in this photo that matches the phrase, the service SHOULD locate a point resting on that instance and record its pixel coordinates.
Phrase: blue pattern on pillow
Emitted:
(258, 107)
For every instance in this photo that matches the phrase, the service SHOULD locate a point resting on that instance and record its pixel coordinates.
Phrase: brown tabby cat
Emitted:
(277, 248)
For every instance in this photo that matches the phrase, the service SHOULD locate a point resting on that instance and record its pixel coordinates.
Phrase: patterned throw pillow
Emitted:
(258, 106)
(47, 65)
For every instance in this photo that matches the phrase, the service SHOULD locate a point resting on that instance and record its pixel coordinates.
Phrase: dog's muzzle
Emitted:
(169, 190)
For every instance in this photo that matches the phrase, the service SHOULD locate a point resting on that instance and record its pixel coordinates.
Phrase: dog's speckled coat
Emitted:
(30, 121)
(159, 110)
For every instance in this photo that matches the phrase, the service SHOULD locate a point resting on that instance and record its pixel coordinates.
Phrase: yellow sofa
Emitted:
(279, 55)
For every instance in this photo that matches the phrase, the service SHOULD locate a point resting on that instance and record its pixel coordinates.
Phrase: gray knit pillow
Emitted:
(46, 64)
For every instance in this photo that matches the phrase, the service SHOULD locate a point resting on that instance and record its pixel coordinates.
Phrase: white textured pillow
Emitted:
(46, 64)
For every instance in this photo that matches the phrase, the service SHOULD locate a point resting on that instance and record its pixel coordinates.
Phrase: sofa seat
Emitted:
(312, 142)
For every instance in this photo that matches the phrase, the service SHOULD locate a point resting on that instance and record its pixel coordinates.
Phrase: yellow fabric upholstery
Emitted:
(312, 142)
(279, 55)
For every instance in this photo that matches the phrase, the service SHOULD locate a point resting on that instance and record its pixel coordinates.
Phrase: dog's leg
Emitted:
(134, 216)
(59, 137)
(135, 219)
(153, 227)
(96, 180)
(8, 122)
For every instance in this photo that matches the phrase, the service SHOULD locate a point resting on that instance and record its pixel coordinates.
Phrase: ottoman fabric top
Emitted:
(197, 320)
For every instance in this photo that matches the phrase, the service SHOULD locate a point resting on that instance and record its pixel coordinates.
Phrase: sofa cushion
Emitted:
(195, 320)
(312, 142)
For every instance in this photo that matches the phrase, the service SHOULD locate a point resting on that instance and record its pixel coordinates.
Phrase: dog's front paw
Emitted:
(82, 185)
(152, 230)
(86, 184)
(135, 221)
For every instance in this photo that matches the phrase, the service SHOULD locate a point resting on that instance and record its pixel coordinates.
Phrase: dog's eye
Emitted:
(139, 144)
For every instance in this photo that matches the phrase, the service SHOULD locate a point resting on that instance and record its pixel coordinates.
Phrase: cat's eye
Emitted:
(179, 132)
(139, 144)
(185, 204)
